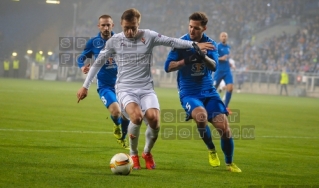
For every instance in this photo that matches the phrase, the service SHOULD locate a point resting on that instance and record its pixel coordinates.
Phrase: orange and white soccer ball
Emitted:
(121, 164)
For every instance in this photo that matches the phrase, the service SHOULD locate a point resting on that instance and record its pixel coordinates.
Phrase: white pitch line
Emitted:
(306, 137)
(56, 131)
(104, 132)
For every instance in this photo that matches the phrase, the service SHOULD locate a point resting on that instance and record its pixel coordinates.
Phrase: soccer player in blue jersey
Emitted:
(224, 70)
(106, 77)
(198, 96)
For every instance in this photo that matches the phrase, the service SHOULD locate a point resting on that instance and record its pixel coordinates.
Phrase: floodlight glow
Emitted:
(53, 1)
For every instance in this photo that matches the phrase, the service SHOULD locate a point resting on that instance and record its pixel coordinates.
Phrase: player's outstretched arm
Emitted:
(82, 93)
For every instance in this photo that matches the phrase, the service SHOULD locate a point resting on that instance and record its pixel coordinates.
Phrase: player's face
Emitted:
(105, 25)
(195, 30)
(223, 37)
(130, 28)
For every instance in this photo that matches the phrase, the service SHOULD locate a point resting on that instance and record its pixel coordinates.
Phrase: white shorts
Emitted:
(146, 99)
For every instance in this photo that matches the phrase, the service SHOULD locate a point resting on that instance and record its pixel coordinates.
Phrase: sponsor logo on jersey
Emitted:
(143, 40)
(198, 69)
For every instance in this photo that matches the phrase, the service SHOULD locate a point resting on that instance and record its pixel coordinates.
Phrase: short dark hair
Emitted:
(105, 16)
(130, 14)
(199, 16)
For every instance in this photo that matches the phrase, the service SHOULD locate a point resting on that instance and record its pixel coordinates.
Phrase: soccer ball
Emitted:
(121, 164)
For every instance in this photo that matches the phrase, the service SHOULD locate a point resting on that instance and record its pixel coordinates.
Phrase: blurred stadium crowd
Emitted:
(243, 20)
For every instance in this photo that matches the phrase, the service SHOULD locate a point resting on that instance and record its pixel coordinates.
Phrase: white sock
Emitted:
(150, 138)
(133, 132)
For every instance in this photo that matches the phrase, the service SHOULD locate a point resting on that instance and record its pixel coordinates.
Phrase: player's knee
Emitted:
(199, 114)
(136, 118)
(152, 116)
(226, 133)
(230, 87)
(115, 110)
(220, 122)
(116, 113)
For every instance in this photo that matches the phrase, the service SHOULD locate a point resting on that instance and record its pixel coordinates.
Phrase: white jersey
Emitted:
(133, 57)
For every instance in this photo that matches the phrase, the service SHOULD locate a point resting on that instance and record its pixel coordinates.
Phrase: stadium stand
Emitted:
(265, 36)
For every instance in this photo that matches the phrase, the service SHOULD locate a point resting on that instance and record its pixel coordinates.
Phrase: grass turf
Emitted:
(48, 140)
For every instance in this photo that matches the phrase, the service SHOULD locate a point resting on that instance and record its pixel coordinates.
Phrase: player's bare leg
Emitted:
(119, 133)
(116, 117)
(220, 122)
(199, 114)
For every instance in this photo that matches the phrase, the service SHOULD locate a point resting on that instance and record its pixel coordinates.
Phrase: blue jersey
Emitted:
(194, 79)
(223, 50)
(106, 77)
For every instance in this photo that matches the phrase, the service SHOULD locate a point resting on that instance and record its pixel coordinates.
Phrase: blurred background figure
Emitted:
(6, 67)
(15, 67)
(284, 80)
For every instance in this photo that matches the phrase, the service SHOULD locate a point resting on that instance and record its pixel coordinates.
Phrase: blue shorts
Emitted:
(107, 96)
(213, 105)
(223, 75)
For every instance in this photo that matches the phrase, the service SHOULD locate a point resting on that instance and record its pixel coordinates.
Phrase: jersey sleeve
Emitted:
(173, 55)
(87, 53)
(105, 53)
(159, 39)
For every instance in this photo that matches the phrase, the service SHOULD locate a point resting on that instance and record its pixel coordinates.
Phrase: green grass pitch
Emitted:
(47, 139)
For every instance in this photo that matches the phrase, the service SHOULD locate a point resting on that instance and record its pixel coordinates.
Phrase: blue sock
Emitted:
(227, 98)
(117, 121)
(228, 149)
(205, 134)
(124, 126)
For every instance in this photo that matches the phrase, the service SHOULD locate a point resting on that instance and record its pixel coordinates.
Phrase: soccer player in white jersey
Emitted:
(132, 50)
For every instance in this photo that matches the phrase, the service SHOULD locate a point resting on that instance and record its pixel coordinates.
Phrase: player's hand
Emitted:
(206, 46)
(192, 59)
(85, 69)
(199, 51)
(82, 93)
(223, 58)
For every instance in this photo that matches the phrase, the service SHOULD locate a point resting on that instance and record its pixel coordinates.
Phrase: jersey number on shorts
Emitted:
(188, 107)
(103, 100)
